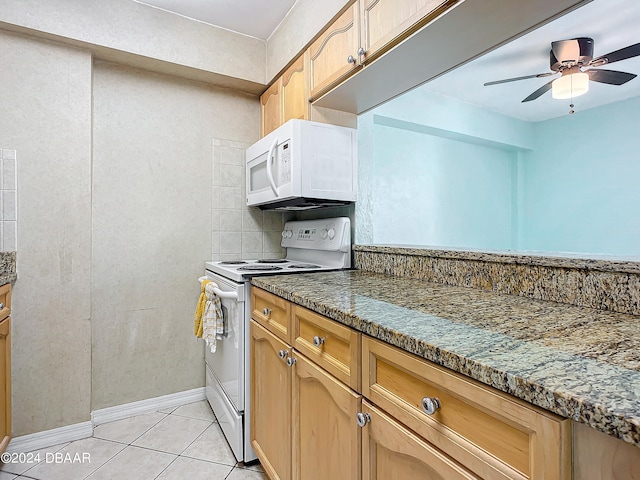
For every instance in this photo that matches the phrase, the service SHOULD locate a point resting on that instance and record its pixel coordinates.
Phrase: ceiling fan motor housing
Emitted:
(568, 53)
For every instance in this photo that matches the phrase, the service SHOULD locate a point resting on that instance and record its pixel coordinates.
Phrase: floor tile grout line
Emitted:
(143, 433)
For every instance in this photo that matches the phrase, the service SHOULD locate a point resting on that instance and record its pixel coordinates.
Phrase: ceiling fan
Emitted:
(568, 58)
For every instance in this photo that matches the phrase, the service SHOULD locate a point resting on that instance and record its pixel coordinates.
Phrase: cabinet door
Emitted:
(271, 108)
(295, 91)
(326, 438)
(271, 381)
(5, 383)
(391, 451)
(328, 55)
(386, 22)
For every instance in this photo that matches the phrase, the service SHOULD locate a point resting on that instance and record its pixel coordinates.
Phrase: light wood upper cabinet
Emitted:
(271, 108)
(387, 22)
(295, 91)
(390, 450)
(270, 403)
(5, 367)
(334, 55)
(326, 438)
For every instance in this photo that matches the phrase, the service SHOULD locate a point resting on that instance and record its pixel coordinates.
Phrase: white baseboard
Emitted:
(78, 431)
(48, 438)
(119, 412)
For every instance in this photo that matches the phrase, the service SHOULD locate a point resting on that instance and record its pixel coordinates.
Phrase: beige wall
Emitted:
(45, 96)
(111, 238)
(151, 33)
(152, 226)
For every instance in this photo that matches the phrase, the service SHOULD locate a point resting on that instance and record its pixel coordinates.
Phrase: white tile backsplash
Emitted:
(8, 200)
(238, 231)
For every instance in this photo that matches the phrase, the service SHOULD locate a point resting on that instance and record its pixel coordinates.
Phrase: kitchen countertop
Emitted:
(578, 362)
(7, 267)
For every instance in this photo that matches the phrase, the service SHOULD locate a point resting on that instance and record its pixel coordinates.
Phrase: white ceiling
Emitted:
(256, 18)
(613, 24)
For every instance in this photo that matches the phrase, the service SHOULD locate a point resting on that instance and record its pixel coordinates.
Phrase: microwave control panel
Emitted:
(285, 164)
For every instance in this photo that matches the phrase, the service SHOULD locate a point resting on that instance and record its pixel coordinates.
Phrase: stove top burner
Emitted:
(259, 268)
(233, 262)
(304, 265)
(272, 260)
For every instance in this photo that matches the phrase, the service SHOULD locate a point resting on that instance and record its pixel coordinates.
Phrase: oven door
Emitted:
(228, 362)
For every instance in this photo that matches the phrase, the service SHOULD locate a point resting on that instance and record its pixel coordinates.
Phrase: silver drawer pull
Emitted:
(1, 306)
(350, 59)
(317, 341)
(291, 361)
(266, 312)
(430, 405)
(283, 353)
(362, 419)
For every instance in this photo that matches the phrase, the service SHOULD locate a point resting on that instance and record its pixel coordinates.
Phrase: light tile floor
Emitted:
(175, 444)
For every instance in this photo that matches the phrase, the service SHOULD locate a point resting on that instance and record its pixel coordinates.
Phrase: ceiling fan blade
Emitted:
(539, 75)
(612, 77)
(622, 54)
(542, 90)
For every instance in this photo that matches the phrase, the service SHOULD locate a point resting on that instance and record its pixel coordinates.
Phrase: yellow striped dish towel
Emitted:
(199, 315)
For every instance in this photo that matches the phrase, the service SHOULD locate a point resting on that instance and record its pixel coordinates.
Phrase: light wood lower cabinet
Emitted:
(271, 382)
(490, 433)
(419, 420)
(389, 450)
(5, 366)
(326, 438)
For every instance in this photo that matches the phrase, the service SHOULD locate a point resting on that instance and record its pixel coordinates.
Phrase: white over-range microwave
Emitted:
(302, 165)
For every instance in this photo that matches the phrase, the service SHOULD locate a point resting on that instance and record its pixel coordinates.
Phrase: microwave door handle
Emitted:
(272, 183)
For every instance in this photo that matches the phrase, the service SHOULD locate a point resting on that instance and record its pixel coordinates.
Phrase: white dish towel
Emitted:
(213, 321)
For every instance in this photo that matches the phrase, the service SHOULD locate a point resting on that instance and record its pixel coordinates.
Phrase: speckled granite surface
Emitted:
(605, 284)
(7, 267)
(578, 362)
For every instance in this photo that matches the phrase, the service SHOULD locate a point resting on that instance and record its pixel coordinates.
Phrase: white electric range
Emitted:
(312, 246)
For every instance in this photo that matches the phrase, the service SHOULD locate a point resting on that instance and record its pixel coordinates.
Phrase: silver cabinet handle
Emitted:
(361, 52)
(291, 361)
(362, 419)
(351, 59)
(317, 341)
(283, 353)
(430, 405)
(266, 312)
(1, 306)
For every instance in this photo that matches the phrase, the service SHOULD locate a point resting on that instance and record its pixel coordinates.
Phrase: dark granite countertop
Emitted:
(7, 267)
(578, 362)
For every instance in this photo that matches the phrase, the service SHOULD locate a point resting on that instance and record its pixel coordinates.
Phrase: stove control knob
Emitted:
(324, 233)
(284, 234)
(331, 233)
(289, 233)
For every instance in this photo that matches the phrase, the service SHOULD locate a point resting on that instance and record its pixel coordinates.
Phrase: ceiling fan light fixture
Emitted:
(570, 86)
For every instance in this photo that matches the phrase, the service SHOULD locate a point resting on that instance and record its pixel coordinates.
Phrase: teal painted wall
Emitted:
(435, 171)
(582, 188)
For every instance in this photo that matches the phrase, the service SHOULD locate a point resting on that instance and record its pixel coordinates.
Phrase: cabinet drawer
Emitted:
(272, 312)
(489, 432)
(334, 347)
(5, 300)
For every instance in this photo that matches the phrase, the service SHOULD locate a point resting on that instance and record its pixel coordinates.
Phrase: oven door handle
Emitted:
(220, 293)
(270, 155)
